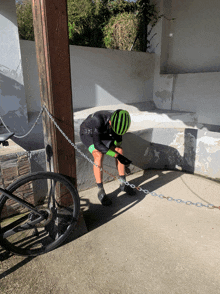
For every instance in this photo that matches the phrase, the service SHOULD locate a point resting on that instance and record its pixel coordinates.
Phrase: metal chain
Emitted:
(65, 136)
(161, 196)
(23, 136)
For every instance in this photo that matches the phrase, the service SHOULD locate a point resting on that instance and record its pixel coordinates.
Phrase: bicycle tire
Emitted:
(61, 213)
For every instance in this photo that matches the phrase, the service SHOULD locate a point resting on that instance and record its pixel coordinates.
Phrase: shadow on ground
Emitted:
(97, 215)
(15, 264)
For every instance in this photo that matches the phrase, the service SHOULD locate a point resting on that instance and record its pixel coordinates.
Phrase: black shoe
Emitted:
(103, 198)
(130, 191)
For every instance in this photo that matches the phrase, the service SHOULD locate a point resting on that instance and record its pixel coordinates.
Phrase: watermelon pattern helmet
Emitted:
(120, 121)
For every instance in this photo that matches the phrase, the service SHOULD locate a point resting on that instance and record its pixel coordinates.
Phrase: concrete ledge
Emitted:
(157, 140)
(190, 150)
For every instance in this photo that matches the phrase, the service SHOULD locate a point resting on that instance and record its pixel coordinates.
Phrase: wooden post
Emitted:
(53, 58)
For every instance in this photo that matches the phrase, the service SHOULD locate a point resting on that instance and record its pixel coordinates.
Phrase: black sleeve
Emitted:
(97, 131)
(98, 143)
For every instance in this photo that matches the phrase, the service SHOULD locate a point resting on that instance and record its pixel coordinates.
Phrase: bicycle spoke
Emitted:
(52, 193)
(41, 215)
(27, 226)
(13, 224)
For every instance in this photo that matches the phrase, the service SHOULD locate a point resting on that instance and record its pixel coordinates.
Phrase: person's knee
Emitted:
(119, 150)
(98, 156)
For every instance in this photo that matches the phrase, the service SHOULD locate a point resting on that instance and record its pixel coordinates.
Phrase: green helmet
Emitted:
(120, 121)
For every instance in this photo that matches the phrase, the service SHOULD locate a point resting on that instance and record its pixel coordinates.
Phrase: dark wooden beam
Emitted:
(53, 58)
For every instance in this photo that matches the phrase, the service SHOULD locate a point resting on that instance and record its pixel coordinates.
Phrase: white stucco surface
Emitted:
(31, 78)
(187, 58)
(199, 93)
(12, 91)
(9, 38)
(102, 75)
(99, 76)
(193, 38)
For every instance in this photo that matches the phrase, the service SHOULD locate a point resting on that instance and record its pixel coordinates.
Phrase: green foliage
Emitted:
(146, 14)
(130, 29)
(86, 19)
(121, 31)
(25, 20)
(120, 6)
(99, 23)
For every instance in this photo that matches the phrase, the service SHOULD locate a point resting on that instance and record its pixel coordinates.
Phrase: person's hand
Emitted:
(123, 160)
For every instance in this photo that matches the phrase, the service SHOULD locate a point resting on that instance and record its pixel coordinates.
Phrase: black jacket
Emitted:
(97, 126)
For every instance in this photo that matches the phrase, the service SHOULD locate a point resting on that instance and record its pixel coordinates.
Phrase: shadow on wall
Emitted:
(189, 157)
(146, 155)
(105, 76)
(7, 11)
(12, 109)
(13, 113)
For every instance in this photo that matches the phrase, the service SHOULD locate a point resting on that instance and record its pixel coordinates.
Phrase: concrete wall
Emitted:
(163, 83)
(191, 42)
(193, 38)
(189, 150)
(12, 91)
(31, 78)
(105, 77)
(199, 93)
(99, 76)
(195, 92)
(186, 56)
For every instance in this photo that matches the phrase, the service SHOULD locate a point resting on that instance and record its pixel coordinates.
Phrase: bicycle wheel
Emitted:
(50, 194)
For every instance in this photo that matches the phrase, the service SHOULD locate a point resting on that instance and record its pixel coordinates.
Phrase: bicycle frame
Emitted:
(35, 228)
(6, 232)
(21, 201)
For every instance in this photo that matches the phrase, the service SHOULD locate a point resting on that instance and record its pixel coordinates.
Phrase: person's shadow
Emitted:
(153, 159)
(146, 155)
(97, 215)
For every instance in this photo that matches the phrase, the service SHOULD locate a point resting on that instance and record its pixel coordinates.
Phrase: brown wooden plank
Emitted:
(52, 49)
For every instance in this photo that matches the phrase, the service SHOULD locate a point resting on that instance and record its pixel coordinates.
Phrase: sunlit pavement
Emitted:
(140, 244)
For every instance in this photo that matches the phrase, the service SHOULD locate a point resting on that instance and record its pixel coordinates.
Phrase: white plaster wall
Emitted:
(194, 92)
(200, 93)
(31, 78)
(193, 38)
(9, 50)
(12, 92)
(99, 76)
(163, 83)
(104, 76)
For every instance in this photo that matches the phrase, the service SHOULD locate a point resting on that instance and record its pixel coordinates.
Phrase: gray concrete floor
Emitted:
(141, 244)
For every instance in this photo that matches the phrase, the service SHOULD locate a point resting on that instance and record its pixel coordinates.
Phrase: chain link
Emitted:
(154, 194)
(71, 143)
